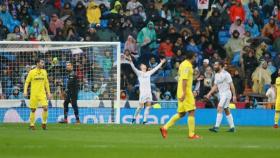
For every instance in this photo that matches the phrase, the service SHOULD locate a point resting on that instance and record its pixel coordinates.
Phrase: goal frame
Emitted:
(117, 102)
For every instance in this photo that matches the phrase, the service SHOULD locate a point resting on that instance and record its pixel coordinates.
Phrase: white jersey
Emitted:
(144, 79)
(223, 80)
(271, 95)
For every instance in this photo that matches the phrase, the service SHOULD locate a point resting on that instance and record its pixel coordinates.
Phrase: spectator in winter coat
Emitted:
(67, 10)
(270, 28)
(80, 12)
(250, 63)
(147, 36)
(237, 25)
(44, 35)
(167, 48)
(216, 21)
(16, 93)
(117, 8)
(258, 20)
(5, 16)
(252, 28)
(93, 13)
(131, 45)
(55, 23)
(131, 5)
(261, 78)
(234, 45)
(237, 10)
(238, 83)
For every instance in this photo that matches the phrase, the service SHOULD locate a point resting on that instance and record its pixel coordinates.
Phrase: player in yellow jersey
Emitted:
(277, 104)
(39, 91)
(186, 101)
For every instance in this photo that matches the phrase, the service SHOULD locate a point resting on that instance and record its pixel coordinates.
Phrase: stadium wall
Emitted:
(242, 117)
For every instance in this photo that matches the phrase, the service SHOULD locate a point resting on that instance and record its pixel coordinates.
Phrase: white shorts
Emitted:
(224, 102)
(145, 98)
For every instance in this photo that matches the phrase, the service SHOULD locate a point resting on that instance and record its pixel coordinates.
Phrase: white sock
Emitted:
(137, 111)
(230, 121)
(146, 113)
(219, 119)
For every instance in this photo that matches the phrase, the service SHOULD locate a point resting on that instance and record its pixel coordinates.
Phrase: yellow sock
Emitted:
(191, 124)
(32, 118)
(45, 116)
(276, 117)
(172, 121)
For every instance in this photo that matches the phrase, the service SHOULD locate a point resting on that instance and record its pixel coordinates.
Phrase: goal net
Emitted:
(96, 64)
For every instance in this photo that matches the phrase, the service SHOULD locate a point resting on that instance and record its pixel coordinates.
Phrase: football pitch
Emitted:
(135, 141)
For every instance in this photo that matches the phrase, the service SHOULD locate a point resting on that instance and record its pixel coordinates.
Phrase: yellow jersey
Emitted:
(39, 82)
(277, 83)
(185, 73)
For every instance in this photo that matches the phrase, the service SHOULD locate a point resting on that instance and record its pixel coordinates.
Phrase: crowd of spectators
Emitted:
(244, 33)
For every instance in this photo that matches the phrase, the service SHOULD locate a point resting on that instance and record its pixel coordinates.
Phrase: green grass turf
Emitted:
(133, 141)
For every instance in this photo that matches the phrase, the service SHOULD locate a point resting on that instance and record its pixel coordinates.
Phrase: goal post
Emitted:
(96, 64)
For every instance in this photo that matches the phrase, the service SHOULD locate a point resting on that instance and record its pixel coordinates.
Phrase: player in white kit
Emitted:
(144, 78)
(223, 83)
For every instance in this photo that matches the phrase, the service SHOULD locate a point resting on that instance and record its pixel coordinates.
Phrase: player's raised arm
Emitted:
(132, 65)
(26, 84)
(162, 61)
(213, 89)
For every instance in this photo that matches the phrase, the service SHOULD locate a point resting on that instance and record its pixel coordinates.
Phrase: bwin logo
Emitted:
(12, 116)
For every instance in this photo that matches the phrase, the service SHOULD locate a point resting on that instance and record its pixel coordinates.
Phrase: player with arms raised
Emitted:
(223, 83)
(144, 78)
(39, 91)
(186, 101)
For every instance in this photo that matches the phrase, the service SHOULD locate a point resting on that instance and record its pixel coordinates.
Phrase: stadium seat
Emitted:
(223, 37)
(240, 105)
(200, 105)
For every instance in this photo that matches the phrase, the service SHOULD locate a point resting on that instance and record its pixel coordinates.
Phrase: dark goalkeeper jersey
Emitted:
(72, 86)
